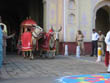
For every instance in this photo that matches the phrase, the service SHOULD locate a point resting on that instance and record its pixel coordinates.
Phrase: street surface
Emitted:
(20, 70)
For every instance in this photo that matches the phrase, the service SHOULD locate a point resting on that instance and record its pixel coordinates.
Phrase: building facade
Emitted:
(72, 15)
(75, 15)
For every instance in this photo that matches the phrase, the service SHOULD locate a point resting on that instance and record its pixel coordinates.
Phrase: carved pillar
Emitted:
(45, 14)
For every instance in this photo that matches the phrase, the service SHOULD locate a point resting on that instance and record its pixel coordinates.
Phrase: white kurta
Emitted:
(107, 41)
(95, 36)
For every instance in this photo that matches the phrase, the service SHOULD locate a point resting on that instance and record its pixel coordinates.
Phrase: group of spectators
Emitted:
(97, 40)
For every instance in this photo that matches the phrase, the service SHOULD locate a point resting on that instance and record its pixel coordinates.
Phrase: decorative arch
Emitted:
(71, 4)
(71, 18)
(97, 7)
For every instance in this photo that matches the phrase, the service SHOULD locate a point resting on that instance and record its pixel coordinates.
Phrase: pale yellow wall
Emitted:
(71, 24)
(84, 18)
(84, 14)
(54, 15)
(60, 18)
(51, 14)
(45, 15)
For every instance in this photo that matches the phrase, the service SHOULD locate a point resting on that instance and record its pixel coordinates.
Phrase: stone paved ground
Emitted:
(19, 70)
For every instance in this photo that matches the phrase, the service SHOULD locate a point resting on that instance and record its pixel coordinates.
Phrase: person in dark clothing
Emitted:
(95, 38)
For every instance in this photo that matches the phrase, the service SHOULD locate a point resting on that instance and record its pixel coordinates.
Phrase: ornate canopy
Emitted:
(28, 22)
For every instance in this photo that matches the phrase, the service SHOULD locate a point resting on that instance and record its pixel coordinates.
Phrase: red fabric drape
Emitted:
(107, 58)
(45, 44)
(37, 45)
(26, 40)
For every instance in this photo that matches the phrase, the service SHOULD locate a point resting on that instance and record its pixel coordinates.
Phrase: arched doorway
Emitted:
(102, 21)
(101, 16)
(15, 11)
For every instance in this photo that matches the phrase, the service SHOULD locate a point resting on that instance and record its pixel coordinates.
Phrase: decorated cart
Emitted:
(41, 41)
(26, 37)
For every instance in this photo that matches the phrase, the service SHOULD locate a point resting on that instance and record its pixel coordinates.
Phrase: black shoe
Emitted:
(91, 55)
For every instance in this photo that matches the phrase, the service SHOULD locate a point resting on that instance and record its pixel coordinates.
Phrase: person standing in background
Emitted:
(2, 25)
(101, 41)
(80, 41)
(5, 37)
(57, 40)
(95, 38)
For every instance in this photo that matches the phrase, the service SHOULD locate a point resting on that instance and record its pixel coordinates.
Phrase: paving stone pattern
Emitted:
(18, 67)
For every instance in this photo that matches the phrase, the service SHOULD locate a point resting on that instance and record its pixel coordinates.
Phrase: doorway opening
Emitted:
(103, 19)
(14, 12)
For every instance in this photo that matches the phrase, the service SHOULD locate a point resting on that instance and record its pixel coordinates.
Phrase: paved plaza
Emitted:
(20, 70)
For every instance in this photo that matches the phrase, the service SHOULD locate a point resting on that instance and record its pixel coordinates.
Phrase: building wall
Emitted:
(85, 19)
(54, 15)
(73, 15)
(71, 20)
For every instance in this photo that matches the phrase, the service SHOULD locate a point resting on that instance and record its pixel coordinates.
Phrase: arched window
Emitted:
(71, 19)
(71, 4)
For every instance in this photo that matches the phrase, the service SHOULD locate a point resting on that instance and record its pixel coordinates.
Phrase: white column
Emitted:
(66, 46)
(45, 14)
(78, 13)
(64, 20)
(66, 50)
